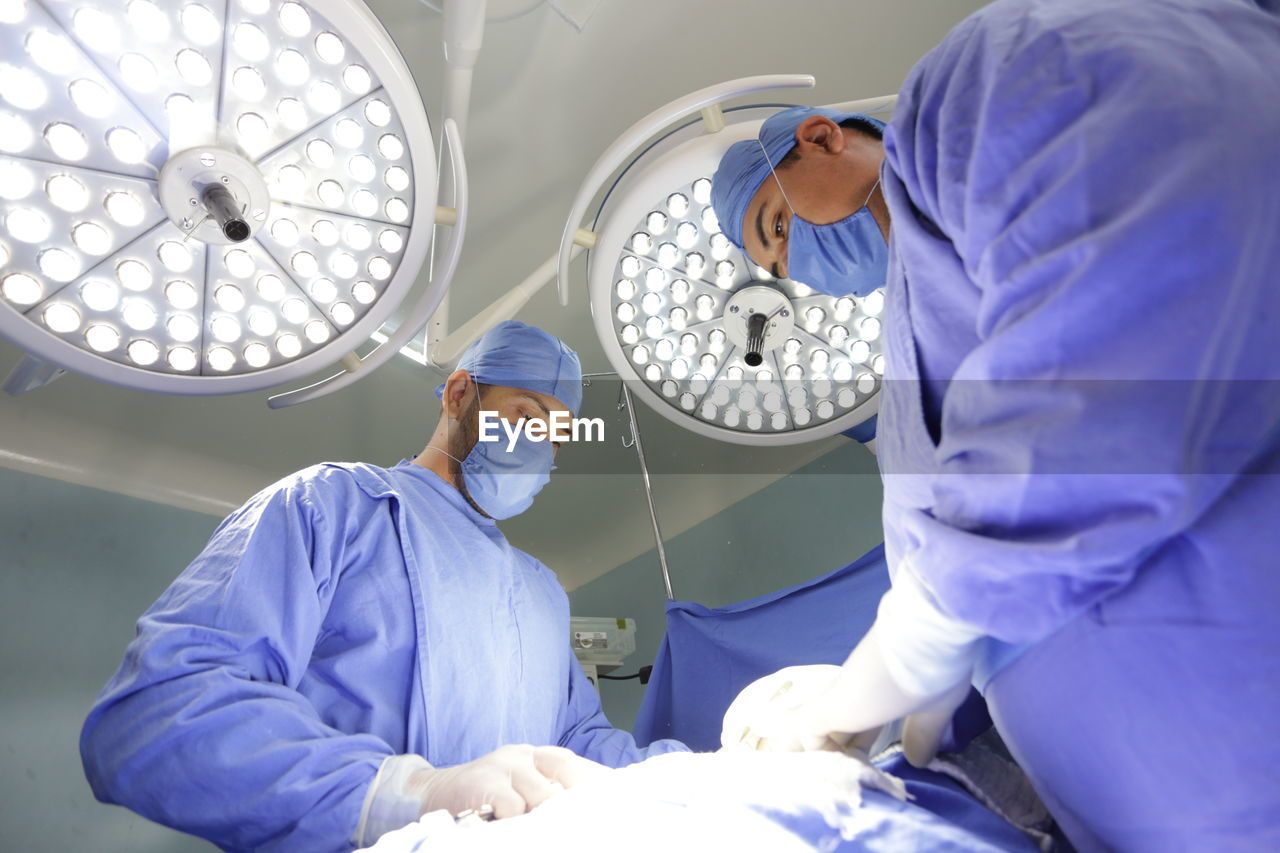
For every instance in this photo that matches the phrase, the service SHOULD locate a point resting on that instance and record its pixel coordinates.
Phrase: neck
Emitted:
(866, 155)
(435, 458)
(879, 211)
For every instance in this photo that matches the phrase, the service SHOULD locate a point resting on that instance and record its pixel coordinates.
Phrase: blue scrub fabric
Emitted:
(941, 815)
(1080, 425)
(709, 654)
(343, 615)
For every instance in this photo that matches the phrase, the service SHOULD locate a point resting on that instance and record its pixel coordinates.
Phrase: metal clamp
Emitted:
(472, 817)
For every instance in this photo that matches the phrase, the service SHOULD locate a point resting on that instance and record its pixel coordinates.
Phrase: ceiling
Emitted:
(546, 100)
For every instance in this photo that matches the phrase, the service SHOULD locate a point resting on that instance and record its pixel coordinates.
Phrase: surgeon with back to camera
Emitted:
(357, 645)
(1076, 216)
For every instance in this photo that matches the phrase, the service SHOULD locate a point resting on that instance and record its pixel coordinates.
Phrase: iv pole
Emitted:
(625, 402)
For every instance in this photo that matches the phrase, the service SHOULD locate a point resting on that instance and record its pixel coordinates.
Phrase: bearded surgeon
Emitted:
(359, 645)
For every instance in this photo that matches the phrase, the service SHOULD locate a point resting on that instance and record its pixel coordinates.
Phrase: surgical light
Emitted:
(207, 198)
(706, 337)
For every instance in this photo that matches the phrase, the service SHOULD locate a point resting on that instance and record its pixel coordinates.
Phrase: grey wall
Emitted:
(78, 567)
(817, 519)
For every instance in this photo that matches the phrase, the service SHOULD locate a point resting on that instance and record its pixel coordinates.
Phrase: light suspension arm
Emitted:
(443, 353)
(29, 374)
(412, 324)
(865, 105)
(626, 144)
(464, 22)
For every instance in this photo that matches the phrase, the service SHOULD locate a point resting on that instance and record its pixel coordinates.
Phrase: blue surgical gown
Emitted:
(1080, 427)
(343, 615)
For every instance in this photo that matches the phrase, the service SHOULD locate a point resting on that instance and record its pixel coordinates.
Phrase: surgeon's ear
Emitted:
(455, 393)
(819, 134)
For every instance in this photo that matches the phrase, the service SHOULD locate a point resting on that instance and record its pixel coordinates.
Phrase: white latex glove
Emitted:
(512, 779)
(774, 698)
(865, 696)
(915, 662)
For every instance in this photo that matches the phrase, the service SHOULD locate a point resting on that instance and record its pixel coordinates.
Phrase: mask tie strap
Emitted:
(446, 453)
(775, 176)
(873, 191)
(774, 172)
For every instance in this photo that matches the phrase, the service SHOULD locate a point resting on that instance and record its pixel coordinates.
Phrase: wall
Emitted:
(77, 569)
(823, 516)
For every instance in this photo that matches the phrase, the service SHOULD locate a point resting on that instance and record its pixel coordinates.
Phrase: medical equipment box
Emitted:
(599, 640)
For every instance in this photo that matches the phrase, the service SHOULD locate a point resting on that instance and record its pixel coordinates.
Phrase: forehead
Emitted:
(551, 404)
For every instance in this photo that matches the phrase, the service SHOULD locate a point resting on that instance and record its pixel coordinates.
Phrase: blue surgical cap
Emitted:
(743, 167)
(520, 356)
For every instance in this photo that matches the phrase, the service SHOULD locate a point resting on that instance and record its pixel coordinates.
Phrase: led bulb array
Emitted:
(674, 282)
(96, 97)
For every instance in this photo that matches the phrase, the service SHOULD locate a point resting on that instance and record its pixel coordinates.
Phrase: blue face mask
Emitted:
(503, 483)
(845, 257)
(838, 259)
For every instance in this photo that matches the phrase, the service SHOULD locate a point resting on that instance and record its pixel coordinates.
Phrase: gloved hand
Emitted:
(915, 662)
(512, 779)
(770, 702)
(865, 696)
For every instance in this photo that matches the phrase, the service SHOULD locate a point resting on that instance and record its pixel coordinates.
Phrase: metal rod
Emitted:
(446, 349)
(755, 339)
(222, 206)
(648, 491)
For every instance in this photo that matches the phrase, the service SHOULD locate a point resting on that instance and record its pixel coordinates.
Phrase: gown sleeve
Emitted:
(1103, 192)
(588, 732)
(201, 728)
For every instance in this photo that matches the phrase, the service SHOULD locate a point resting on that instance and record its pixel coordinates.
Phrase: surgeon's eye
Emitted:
(777, 227)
